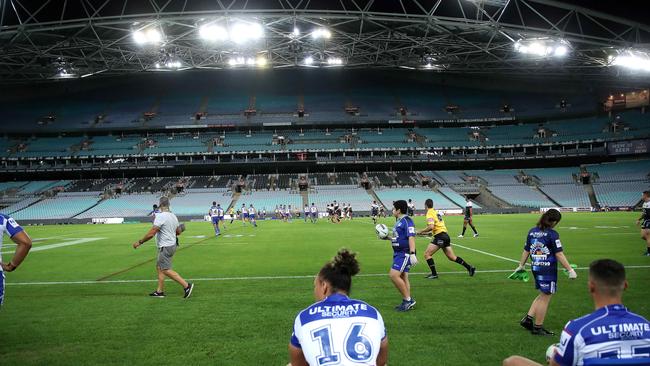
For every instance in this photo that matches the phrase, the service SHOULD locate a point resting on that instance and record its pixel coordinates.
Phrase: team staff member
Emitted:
(544, 248)
(166, 229)
(321, 336)
(441, 240)
(611, 332)
(23, 245)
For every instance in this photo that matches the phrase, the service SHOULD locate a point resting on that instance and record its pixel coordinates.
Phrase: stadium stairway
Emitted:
(96, 203)
(487, 199)
(444, 195)
(305, 198)
(374, 196)
(235, 198)
(546, 195)
(590, 190)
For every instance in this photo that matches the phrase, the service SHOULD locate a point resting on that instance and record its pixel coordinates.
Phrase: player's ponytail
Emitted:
(549, 219)
(339, 271)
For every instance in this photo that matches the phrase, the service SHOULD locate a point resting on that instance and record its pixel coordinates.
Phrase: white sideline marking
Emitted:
(486, 253)
(59, 245)
(252, 278)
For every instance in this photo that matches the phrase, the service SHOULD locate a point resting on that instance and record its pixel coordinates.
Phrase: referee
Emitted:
(166, 229)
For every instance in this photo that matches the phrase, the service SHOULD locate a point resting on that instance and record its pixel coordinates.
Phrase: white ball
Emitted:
(382, 231)
(550, 351)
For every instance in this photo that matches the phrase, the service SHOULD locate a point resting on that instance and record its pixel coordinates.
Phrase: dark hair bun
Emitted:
(346, 262)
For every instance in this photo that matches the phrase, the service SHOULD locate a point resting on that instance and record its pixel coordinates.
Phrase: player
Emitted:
(306, 212)
(382, 211)
(644, 221)
(469, 213)
(441, 240)
(220, 216)
(349, 211)
(374, 211)
(154, 211)
(213, 212)
(337, 212)
(544, 248)
(403, 242)
(288, 213)
(233, 215)
(314, 213)
(263, 216)
(611, 335)
(251, 215)
(411, 208)
(353, 335)
(23, 245)
(244, 214)
(166, 228)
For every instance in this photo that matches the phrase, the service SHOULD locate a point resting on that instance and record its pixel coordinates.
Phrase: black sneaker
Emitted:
(541, 331)
(527, 323)
(471, 271)
(188, 290)
(157, 294)
(432, 277)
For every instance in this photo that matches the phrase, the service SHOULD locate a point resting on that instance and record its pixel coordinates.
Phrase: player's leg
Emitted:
(471, 224)
(540, 308)
(2, 288)
(432, 248)
(454, 258)
(464, 228)
(399, 283)
(161, 281)
(645, 235)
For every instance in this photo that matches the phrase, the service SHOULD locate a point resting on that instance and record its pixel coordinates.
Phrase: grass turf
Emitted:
(239, 316)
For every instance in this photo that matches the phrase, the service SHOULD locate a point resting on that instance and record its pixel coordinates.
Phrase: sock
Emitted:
(474, 229)
(648, 250)
(464, 229)
(538, 326)
(527, 318)
(460, 261)
(432, 266)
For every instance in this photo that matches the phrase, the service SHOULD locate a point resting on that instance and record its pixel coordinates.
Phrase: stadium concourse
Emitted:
(430, 172)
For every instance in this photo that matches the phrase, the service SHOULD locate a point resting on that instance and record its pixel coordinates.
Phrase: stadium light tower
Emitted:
(633, 60)
(321, 33)
(213, 32)
(245, 32)
(542, 47)
(147, 36)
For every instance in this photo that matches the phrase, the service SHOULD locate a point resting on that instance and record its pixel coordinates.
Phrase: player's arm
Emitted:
(180, 229)
(471, 211)
(23, 245)
(522, 261)
(565, 263)
(296, 356)
(150, 234)
(382, 357)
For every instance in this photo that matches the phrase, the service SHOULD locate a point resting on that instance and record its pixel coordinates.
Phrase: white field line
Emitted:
(265, 278)
(486, 253)
(59, 245)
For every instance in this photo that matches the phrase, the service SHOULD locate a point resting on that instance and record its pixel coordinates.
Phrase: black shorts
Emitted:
(441, 240)
(468, 218)
(645, 224)
(375, 212)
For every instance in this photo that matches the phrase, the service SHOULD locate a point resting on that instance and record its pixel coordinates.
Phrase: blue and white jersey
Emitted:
(542, 245)
(339, 331)
(313, 209)
(402, 230)
(213, 211)
(219, 212)
(251, 211)
(10, 226)
(609, 332)
(306, 210)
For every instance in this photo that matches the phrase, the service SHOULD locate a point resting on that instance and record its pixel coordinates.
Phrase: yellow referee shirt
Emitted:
(436, 220)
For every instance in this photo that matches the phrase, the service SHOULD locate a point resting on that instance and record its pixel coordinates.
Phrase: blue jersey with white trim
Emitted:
(339, 330)
(10, 226)
(402, 230)
(213, 211)
(609, 332)
(542, 245)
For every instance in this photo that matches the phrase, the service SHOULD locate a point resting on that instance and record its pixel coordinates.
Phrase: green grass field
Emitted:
(86, 303)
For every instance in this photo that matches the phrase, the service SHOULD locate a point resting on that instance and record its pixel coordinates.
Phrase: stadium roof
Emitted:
(49, 39)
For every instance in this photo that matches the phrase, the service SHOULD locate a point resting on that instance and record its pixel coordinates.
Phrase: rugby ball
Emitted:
(382, 231)
(550, 351)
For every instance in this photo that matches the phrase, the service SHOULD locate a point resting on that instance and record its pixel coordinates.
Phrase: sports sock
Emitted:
(460, 261)
(473, 229)
(648, 250)
(464, 229)
(432, 266)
